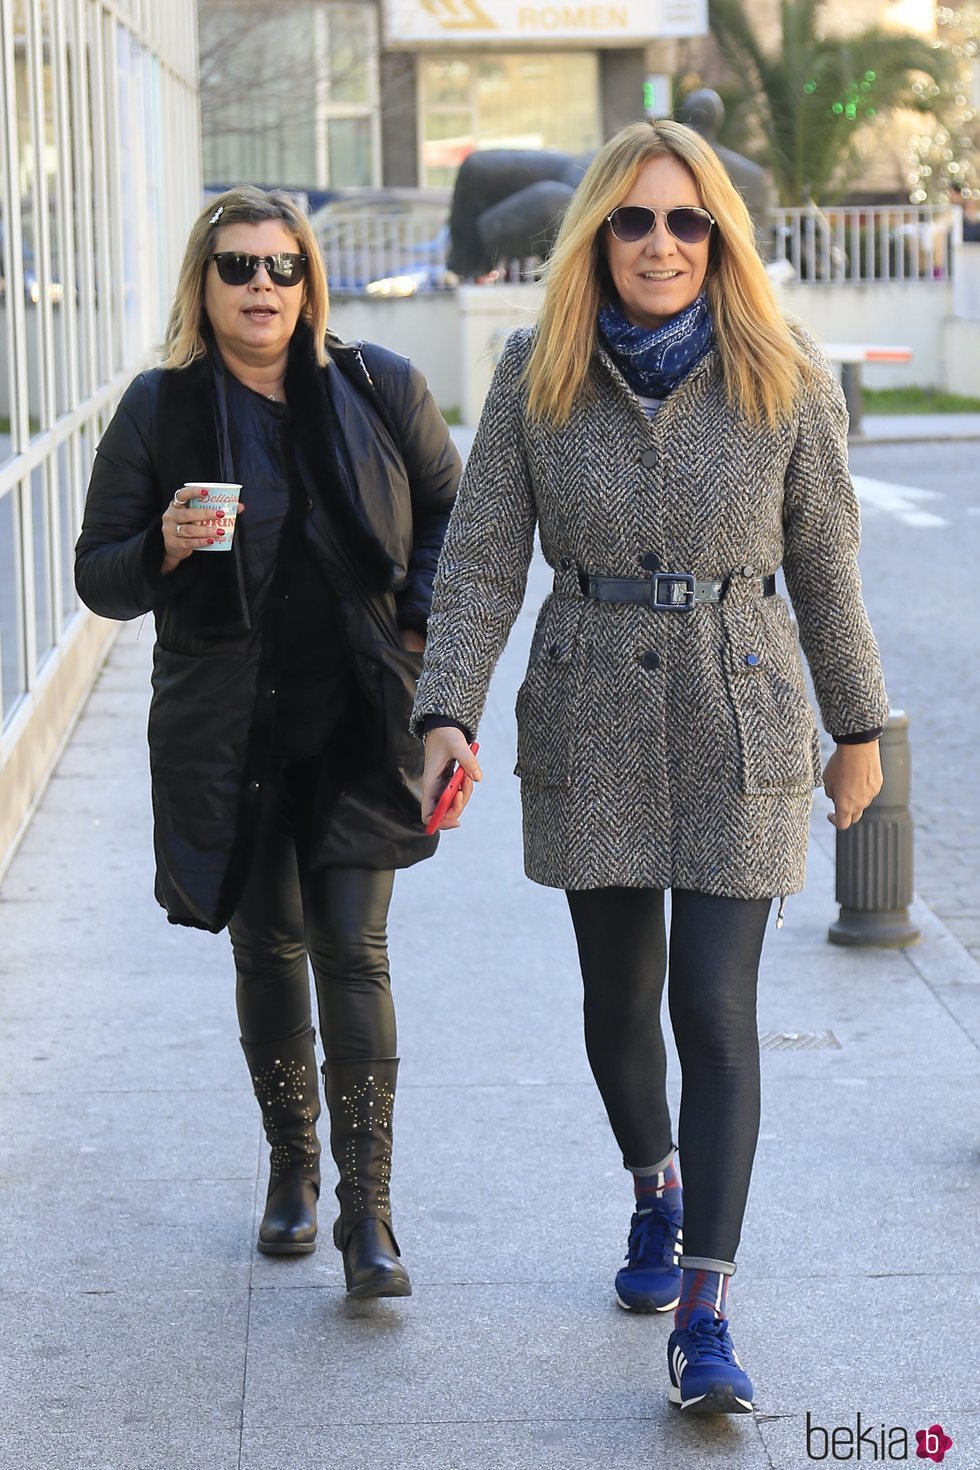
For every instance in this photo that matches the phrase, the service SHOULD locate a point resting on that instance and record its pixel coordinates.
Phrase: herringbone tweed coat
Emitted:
(694, 768)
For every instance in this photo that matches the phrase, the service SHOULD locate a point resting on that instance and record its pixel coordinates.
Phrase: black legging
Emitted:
(715, 947)
(336, 916)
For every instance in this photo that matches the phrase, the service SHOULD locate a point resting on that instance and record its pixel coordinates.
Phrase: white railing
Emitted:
(364, 246)
(851, 246)
(858, 245)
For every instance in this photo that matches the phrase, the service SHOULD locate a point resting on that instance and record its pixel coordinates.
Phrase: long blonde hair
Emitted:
(762, 364)
(184, 341)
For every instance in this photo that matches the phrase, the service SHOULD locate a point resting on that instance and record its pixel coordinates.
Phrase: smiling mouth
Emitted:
(262, 311)
(659, 275)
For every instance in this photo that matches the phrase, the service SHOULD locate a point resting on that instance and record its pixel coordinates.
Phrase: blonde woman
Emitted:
(674, 442)
(285, 783)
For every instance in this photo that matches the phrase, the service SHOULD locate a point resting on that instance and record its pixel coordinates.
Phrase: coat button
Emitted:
(650, 660)
(309, 503)
(648, 458)
(370, 666)
(748, 570)
(566, 563)
(651, 562)
(255, 785)
(554, 650)
(753, 659)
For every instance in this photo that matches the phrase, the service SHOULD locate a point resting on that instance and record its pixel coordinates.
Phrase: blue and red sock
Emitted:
(701, 1291)
(661, 1188)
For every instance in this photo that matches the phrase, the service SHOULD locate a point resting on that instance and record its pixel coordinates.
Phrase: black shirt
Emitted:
(311, 663)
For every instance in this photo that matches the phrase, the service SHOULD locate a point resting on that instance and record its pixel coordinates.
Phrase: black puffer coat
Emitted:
(374, 522)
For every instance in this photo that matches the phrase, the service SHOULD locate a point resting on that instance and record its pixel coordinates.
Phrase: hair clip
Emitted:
(217, 215)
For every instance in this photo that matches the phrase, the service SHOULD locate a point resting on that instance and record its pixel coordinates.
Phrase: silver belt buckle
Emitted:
(680, 591)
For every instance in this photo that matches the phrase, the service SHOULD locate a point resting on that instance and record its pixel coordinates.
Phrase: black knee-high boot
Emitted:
(284, 1076)
(361, 1100)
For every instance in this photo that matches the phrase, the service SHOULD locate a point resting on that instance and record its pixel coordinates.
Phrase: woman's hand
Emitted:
(185, 529)
(444, 745)
(412, 640)
(852, 780)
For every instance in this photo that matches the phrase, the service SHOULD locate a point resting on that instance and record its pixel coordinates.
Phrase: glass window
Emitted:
(67, 525)
(274, 91)
(530, 100)
(349, 58)
(130, 206)
(51, 191)
(447, 81)
(13, 664)
(26, 190)
(81, 240)
(101, 292)
(41, 537)
(6, 366)
(350, 149)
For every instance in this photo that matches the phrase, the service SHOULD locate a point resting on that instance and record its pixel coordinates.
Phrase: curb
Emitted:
(943, 960)
(970, 436)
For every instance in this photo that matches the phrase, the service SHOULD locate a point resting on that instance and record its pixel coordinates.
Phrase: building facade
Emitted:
(323, 95)
(99, 179)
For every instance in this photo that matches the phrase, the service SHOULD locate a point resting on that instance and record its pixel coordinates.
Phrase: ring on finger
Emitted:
(175, 501)
(180, 528)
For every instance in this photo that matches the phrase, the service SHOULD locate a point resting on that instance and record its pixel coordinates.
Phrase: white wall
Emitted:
(962, 357)
(882, 314)
(455, 338)
(966, 280)
(424, 328)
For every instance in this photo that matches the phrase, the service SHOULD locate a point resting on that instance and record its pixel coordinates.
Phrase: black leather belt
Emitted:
(669, 591)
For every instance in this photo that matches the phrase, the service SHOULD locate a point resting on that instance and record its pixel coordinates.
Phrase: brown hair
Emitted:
(184, 341)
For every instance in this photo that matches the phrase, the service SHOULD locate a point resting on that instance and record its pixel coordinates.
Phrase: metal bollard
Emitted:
(850, 381)
(874, 857)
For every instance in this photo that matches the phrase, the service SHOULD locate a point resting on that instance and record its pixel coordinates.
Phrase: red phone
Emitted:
(446, 799)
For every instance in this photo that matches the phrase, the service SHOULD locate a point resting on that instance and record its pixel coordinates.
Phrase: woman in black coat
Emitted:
(285, 783)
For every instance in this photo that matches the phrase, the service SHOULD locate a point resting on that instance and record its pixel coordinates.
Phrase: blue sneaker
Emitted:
(651, 1279)
(705, 1374)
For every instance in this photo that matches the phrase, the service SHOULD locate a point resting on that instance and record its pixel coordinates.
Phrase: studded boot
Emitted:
(284, 1076)
(361, 1100)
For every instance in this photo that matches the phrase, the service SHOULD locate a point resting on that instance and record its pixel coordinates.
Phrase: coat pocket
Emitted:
(779, 749)
(547, 701)
(403, 754)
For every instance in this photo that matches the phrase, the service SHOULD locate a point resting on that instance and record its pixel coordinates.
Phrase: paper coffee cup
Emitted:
(220, 496)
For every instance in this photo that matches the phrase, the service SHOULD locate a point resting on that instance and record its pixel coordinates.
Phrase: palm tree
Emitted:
(812, 94)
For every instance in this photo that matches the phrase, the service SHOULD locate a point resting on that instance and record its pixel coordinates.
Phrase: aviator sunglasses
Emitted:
(237, 269)
(632, 222)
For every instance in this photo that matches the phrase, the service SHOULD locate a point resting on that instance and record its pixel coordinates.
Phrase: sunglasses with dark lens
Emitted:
(633, 222)
(236, 269)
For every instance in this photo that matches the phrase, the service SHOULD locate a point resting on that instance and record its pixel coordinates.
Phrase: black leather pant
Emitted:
(715, 948)
(335, 917)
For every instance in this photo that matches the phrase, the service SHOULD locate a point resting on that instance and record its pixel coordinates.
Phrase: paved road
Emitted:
(921, 506)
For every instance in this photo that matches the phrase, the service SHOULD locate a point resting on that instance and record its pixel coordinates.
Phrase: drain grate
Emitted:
(798, 1041)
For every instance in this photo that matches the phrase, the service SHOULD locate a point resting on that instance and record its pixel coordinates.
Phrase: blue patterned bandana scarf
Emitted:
(655, 362)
